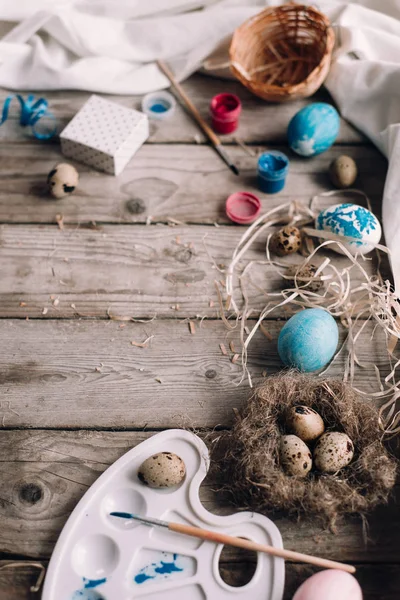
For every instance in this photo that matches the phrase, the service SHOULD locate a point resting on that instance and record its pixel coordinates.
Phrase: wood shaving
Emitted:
(223, 349)
(192, 327)
(60, 221)
(142, 344)
(126, 318)
(174, 222)
(56, 302)
(265, 331)
(45, 311)
(235, 358)
(232, 347)
(248, 150)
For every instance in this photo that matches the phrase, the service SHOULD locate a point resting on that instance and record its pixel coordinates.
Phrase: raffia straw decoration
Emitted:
(354, 302)
(251, 463)
(283, 53)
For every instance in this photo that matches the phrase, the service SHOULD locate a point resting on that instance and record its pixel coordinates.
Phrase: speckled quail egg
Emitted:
(295, 456)
(305, 422)
(286, 241)
(162, 470)
(333, 451)
(305, 277)
(343, 171)
(62, 180)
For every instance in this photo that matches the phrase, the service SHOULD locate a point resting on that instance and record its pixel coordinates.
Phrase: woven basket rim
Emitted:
(290, 89)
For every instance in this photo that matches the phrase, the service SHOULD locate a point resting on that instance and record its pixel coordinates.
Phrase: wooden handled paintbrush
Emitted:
(214, 139)
(228, 540)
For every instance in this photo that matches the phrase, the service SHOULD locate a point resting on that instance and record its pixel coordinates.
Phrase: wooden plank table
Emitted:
(76, 394)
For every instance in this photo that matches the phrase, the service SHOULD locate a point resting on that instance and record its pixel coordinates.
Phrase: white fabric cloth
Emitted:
(110, 46)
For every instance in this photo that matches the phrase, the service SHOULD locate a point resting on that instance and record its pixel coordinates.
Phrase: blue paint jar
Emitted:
(272, 169)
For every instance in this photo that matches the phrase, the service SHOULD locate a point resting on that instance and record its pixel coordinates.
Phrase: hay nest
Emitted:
(252, 464)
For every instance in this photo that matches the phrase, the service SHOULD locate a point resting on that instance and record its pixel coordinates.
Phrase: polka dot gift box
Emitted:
(104, 135)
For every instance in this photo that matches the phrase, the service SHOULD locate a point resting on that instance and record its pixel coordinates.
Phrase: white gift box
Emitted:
(104, 135)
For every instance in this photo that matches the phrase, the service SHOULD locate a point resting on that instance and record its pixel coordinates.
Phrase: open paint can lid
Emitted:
(159, 105)
(243, 207)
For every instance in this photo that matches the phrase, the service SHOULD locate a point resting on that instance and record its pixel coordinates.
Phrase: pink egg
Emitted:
(329, 585)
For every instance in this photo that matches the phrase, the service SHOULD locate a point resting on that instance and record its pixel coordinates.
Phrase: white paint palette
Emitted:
(100, 557)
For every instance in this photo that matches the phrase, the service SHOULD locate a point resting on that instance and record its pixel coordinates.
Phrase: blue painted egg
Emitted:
(352, 221)
(309, 340)
(313, 129)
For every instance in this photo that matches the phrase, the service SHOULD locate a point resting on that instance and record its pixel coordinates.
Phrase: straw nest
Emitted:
(252, 465)
(283, 53)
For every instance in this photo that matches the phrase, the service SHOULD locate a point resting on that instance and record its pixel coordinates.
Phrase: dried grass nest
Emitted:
(251, 460)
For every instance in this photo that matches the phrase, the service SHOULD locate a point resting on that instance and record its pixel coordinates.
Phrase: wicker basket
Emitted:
(283, 53)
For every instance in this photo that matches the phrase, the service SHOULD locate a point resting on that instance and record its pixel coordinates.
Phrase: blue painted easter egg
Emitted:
(352, 221)
(309, 340)
(313, 129)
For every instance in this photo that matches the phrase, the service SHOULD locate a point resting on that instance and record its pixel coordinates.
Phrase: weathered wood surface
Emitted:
(260, 122)
(49, 471)
(87, 373)
(138, 271)
(187, 183)
(379, 582)
(61, 370)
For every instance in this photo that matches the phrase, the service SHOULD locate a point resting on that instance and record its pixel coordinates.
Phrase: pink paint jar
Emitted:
(225, 112)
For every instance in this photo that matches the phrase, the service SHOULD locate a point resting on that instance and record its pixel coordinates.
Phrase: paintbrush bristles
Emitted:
(145, 520)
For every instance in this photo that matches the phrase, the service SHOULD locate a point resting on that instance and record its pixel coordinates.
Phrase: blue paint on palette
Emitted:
(86, 595)
(92, 583)
(160, 570)
(88, 592)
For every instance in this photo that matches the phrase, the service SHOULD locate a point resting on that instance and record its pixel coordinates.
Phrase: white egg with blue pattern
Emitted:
(351, 221)
(313, 129)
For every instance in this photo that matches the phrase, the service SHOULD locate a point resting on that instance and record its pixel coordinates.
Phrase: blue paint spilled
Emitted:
(162, 569)
(88, 592)
(92, 583)
(167, 568)
(142, 577)
(86, 595)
